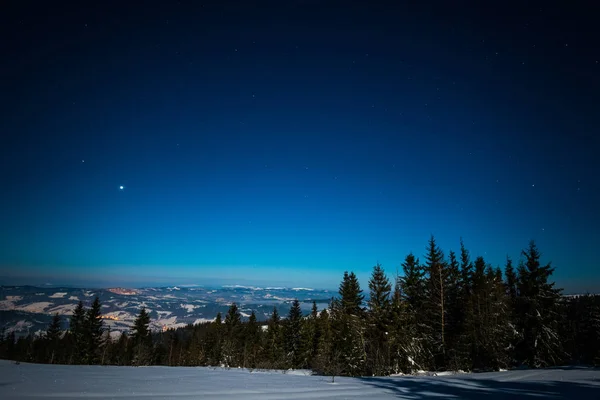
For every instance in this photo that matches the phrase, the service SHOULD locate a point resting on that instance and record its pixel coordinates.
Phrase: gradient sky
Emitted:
(285, 142)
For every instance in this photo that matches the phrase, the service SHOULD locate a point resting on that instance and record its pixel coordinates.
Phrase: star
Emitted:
(121, 187)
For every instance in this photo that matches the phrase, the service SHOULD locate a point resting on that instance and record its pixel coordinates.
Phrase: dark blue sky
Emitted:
(285, 142)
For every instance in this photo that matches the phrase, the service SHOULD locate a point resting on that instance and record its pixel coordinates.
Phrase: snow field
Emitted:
(35, 381)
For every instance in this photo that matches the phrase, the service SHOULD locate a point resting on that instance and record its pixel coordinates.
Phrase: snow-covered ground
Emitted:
(29, 381)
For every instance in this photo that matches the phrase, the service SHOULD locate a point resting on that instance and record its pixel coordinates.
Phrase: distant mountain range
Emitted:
(29, 309)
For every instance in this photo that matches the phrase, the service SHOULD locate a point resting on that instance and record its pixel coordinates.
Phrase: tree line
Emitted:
(447, 312)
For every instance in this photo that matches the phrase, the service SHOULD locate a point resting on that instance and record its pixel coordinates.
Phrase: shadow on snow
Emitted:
(467, 388)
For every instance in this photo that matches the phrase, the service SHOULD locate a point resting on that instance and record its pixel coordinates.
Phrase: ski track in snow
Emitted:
(35, 381)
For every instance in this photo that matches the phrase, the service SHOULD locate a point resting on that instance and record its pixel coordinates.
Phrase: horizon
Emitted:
(286, 144)
(575, 287)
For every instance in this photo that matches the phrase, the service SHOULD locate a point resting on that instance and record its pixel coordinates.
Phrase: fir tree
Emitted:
(292, 336)
(412, 284)
(455, 316)
(214, 341)
(348, 327)
(436, 309)
(330, 360)
(510, 289)
(274, 342)
(476, 314)
(141, 339)
(538, 307)
(141, 326)
(78, 334)
(410, 332)
(232, 345)
(351, 297)
(53, 332)
(53, 336)
(379, 297)
(93, 330)
(379, 321)
(251, 342)
(313, 334)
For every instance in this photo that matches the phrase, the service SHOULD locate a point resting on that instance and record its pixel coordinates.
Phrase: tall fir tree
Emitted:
(328, 360)
(232, 345)
(311, 335)
(53, 337)
(141, 339)
(538, 305)
(293, 337)
(379, 322)
(78, 335)
(94, 330)
(252, 338)
(351, 297)
(436, 309)
(487, 318)
(410, 334)
(510, 287)
(455, 315)
(347, 323)
(274, 348)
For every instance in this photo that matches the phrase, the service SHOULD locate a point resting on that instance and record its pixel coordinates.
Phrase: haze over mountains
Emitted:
(29, 309)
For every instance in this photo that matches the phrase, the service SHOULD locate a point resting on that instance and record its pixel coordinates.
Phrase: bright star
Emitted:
(121, 187)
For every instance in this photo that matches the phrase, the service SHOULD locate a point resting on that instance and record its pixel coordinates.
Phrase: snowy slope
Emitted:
(29, 381)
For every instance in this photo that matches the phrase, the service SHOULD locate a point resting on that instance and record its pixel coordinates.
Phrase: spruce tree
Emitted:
(232, 345)
(410, 333)
(329, 359)
(141, 339)
(351, 297)
(455, 316)
(379, 321)
(214, 341)
(476, 315)
(274, 342)
(436, 308)
(538, 308)
(379, 297)
(54, 329)
(292, 336)
(78, 334)
(53, 336)
(94, 330)
(310, 336)
(348, 327)
(252, 337)
(510, 288)
(412, 283)
(461, 347)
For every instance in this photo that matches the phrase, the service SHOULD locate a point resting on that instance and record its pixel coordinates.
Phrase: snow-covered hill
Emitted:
(28, 309)
(33, 381)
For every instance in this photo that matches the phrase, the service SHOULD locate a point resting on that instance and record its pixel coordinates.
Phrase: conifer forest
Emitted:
(442, 312)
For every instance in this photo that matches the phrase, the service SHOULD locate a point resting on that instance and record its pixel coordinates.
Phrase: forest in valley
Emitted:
(442, 312)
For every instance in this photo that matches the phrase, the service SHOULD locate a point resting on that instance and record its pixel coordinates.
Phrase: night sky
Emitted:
(281, 143)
